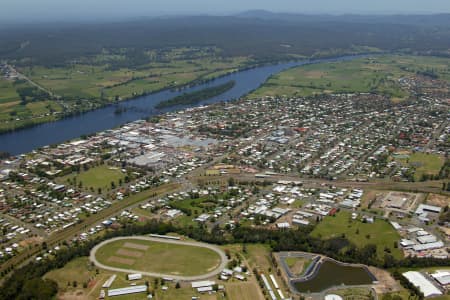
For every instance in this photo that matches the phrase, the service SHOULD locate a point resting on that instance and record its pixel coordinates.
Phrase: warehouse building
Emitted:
(127, 290)
(422, 283)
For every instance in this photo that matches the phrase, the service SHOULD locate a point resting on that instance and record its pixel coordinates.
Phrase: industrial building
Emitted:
(422, 283)
(127, 290)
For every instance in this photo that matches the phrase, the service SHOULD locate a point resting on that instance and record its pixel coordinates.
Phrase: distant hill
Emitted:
(417, 20)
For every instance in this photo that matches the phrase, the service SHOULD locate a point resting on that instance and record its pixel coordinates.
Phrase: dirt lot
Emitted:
(31, 241)
(126, 252)
(386, 283)
(73, 295)
(438, 200)
(120, 260)
(135, 246)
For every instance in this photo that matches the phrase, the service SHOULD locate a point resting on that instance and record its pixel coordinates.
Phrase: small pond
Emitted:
(331, 273)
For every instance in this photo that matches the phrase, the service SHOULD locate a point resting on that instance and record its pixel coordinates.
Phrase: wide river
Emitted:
(28, 139)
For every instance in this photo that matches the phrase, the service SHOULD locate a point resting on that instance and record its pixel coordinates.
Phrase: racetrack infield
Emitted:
(159, 257)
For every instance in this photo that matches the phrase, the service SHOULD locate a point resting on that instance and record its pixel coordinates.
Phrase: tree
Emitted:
(39, 289)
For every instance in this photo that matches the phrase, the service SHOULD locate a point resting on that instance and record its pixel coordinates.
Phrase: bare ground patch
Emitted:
(121, 260)
(314, 74)
(298, 267)
(135, 246)
(438, 200)
(72, 295)
(386, 283)
(126, 252)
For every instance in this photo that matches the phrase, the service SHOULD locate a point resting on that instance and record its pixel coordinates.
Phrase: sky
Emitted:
(50, 10)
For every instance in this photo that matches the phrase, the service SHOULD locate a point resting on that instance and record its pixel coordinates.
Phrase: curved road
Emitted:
(216, 249)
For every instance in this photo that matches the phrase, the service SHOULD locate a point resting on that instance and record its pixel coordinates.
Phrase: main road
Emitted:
(216, 271)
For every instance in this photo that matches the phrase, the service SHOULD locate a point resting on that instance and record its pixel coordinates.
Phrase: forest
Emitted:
(285, 36)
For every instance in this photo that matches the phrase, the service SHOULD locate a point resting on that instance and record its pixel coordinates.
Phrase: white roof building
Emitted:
(199, 284)
(127, 290)
(427, 208)
(443, 277)
(424, 285)
(428, 246)
(136, 276)
(425, 239)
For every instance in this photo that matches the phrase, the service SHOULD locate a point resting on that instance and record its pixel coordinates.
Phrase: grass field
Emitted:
(159, 257)
(297, 265)
(14, 114)
(76, 270)
(197, 206)
(378, 75)
(243, 291)
(380, 232)
(97, 177)
(426, 164)
(7, 91)
(88, 81)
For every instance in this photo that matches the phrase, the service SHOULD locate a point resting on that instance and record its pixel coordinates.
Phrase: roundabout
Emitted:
(159, 257)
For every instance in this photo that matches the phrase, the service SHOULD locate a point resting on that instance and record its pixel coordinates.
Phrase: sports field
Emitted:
(158, 257)
(380, 233)
(97, 177)
(425, 164)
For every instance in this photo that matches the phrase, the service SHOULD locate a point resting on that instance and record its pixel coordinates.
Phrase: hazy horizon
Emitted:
(25, 11)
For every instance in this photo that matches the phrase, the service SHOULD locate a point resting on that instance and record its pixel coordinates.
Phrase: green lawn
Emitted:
(97, 177)
(7, 91)
(380, 232)
(195, 205)
(426, 164)
(161, 257)
(376, 74)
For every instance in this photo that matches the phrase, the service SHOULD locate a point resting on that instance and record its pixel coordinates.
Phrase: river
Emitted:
(28, 139)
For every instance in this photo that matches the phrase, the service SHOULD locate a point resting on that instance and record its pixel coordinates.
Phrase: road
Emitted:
(22, 76)
(213, 273)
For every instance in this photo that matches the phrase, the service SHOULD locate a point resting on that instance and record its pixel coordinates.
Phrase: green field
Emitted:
(14, 113)
(380, 233)
(197, 206)
(425, 164)
(171, 259)
(89, 79)
(97, 177)
(78, 270)
(7, 91)
(376, 74)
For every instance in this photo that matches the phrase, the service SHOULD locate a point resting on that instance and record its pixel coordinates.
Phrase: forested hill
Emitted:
(262, 35)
